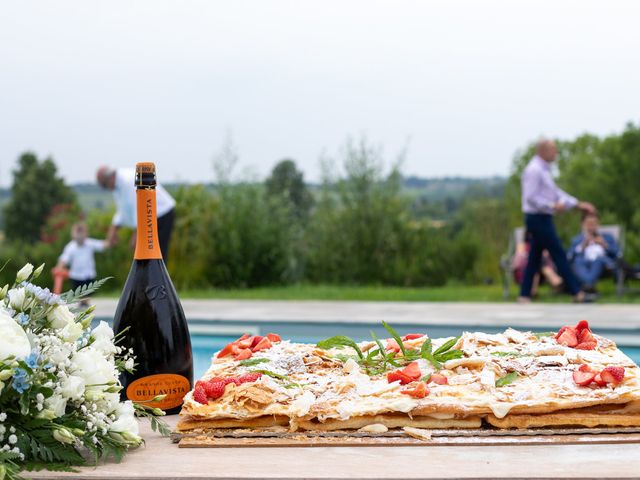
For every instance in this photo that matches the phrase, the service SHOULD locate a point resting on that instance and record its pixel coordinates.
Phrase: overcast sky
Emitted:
(463, 83)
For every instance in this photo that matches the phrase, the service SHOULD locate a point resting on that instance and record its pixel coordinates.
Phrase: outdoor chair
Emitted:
(517, 237)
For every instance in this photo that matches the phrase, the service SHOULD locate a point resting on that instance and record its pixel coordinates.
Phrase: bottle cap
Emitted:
(145, 174)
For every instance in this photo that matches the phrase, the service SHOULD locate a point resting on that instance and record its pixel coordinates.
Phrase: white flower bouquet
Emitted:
(59, 382)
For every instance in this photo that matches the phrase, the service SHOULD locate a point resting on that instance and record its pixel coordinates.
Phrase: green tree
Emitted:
(35, 191)
(287, 182)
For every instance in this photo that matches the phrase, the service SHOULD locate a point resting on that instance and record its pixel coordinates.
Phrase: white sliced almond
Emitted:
(419, 433)
(374, 428)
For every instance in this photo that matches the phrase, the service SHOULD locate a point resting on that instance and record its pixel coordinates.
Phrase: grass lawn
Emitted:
(448, 293)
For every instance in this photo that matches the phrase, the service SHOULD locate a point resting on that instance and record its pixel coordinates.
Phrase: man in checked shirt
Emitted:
(541, 199)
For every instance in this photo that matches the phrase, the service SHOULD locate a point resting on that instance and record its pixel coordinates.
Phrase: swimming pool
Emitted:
(209, 337)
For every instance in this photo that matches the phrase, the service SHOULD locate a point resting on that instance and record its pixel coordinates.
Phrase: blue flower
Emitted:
(21, 380)
(32, 360)
(23, 319)
(44, 295)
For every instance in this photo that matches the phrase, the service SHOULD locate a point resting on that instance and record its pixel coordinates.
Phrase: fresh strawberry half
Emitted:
(439, 379)
(199, 395)
(243, 354)
(612, 375)
(248, 378)
(214, 389)
(578, 336)
(412, 371)
(398, 375)
(412, 336)
(582, 325)
(584, 375)
(392, 346)
(567, 337)
(585, 336)
(243, 348)
(264, 344)
(420, 391)
(274, 337)
(599, 381)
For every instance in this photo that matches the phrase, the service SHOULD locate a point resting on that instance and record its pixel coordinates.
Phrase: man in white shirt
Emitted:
(121, 182)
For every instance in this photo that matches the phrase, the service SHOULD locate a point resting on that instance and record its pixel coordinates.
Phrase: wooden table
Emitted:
(162, 459)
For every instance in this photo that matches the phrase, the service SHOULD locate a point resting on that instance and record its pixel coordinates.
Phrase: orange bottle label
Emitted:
(175, 387)
(147, 245)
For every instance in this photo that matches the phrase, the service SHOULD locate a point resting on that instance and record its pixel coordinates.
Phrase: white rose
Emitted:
(60, 316)
(13, 340)
(58, 356)
(103, 338)
(57, 404)
(93, 367)
(71, 332)
(112, 400)
(125, 419)
(72, 388)
(24, 273)
(16, 298)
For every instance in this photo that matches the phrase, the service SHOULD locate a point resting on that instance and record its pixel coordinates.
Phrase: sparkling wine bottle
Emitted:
(150, 312)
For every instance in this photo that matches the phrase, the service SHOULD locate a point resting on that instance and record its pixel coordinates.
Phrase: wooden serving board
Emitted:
(470, 437)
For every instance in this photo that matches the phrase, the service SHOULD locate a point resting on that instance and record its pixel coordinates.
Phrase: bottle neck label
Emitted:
(147, 245)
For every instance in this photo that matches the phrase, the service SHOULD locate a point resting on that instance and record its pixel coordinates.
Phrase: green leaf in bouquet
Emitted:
(83, 291)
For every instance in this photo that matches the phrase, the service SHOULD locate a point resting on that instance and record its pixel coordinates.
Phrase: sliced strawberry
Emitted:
(612, 375)
(582, 325)
(243, 354)
(264, 344)
(585, 336)
(398, 375)
(583, 376)
(586, 346)
(563, 329)
(274, 337)
(420, 391)
(599, 381)
(246, 343)
(568, 338)
(248, 378)
(255, 341)
(412, 371)
(412, 336)
(214, 389)
(227, 350)
(199, 395)
(587, 368)
(439, 379)
(392, 346)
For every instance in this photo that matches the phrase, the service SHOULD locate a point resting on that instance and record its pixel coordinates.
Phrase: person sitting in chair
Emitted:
(592, 252)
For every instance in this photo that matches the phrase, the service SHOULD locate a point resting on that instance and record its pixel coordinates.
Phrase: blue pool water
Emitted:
(206, 344)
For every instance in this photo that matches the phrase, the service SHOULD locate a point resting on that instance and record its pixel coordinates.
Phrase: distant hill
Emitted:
(433, 197)
(441, 188)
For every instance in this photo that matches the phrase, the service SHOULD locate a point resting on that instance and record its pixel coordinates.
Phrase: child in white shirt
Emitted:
(78, 255)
